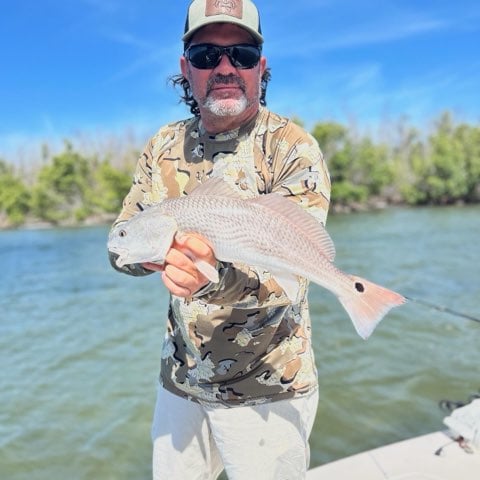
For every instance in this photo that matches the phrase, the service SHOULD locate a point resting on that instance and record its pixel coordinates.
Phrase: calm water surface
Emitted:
(80, 345)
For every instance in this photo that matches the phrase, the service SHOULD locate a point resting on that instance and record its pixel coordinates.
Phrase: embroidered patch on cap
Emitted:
(233, 8)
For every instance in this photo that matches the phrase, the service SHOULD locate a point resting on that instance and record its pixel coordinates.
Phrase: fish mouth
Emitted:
(121, 254)
(120, 262)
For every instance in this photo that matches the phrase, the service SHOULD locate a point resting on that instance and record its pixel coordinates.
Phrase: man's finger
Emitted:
(180, 277)
(153, 266)
(175, 289)
(180, 259)
(197, 245)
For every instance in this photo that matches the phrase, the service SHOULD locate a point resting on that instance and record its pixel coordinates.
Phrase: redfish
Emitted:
(268, 231)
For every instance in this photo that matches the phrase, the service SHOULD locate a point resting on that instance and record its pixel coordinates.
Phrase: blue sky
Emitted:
(100, 66)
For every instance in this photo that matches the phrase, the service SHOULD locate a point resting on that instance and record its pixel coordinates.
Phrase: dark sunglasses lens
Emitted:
(209, 56)
(204, 56)
(244, 56)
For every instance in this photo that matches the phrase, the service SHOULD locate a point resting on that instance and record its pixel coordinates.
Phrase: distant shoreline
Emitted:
(106, 219)
(34, 224)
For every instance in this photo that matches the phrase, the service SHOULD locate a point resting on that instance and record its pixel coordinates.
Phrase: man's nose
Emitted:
(225, 66)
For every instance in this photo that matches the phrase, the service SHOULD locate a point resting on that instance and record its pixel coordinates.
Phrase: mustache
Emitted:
(220, 79)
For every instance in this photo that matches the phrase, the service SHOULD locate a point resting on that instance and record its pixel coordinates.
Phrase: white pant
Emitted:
(263, 442)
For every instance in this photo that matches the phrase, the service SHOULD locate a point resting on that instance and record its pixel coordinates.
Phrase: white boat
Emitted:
(452, 454)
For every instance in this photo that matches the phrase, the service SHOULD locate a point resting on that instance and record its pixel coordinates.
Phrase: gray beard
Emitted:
(227, 107)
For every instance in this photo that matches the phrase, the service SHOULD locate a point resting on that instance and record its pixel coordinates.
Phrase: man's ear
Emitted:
(183, 66)
(263, 65)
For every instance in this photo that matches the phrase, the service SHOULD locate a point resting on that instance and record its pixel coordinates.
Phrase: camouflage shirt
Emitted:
(239, 341)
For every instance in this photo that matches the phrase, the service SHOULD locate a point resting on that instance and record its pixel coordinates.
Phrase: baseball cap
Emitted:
(239, 12)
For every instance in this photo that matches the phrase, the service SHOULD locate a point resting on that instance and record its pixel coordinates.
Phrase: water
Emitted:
(80, 345)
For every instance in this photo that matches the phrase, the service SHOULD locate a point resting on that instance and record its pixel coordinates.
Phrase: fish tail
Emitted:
(367, 303)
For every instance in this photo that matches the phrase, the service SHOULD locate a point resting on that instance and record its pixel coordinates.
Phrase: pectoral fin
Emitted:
(208, 270)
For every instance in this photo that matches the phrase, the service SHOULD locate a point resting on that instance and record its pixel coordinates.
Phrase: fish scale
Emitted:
(237, 230)
(238, 234)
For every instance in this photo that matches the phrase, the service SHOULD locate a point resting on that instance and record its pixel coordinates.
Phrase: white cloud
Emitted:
(159, 63)
(148, 53)
(365, 76)
(373, 34)
(126, 38)
(347, 37)
(364, 93)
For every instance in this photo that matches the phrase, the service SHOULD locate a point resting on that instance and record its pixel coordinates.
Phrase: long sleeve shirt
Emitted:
(239, 341)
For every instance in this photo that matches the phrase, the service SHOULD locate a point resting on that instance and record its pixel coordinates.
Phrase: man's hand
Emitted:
(179, 272)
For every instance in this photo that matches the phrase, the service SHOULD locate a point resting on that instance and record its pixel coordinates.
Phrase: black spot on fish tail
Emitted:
(359, 287)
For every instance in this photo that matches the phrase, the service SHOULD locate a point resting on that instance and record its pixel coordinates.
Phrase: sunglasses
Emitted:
(206, 56)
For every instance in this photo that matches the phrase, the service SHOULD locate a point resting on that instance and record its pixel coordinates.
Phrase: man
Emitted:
(238, 380)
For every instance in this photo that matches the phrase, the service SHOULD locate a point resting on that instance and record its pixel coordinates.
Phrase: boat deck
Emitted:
(413, 459)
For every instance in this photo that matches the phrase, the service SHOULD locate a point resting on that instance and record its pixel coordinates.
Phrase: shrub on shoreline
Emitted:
(440, 168)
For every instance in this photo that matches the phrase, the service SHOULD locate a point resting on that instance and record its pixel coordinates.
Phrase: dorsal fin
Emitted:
(215, 186)
(295, 214)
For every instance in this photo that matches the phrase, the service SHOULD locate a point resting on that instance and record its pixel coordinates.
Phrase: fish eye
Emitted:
(122, 233)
